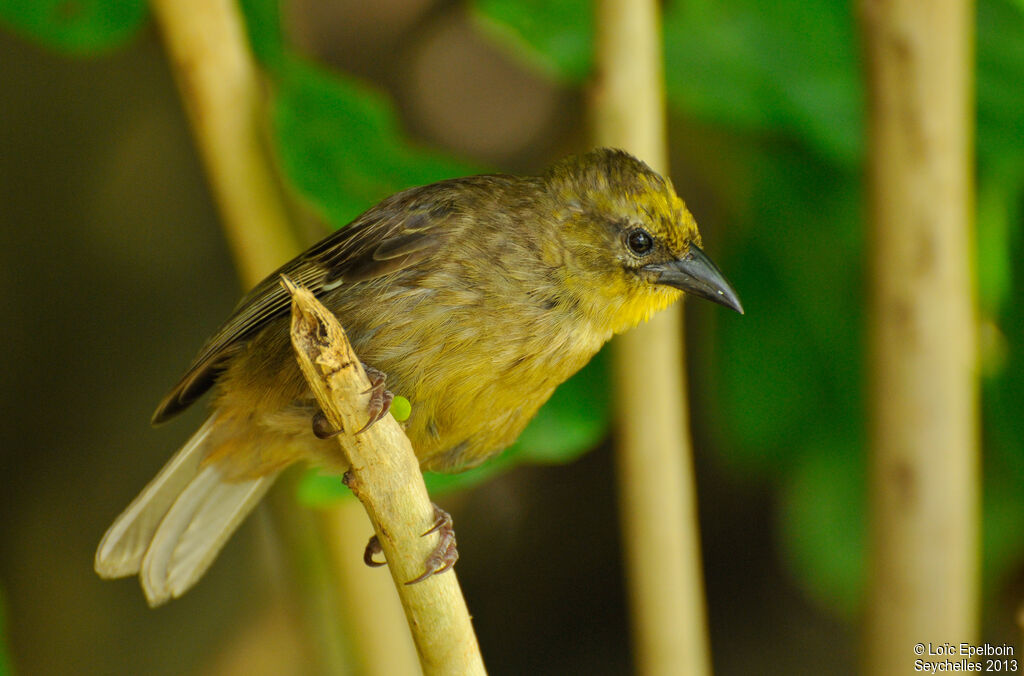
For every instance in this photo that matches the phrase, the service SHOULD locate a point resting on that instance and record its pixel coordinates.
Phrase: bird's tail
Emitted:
(173, 530)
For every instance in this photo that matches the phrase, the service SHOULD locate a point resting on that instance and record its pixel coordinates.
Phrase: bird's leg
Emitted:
(441, 559)
(380, 397)
(377, 407)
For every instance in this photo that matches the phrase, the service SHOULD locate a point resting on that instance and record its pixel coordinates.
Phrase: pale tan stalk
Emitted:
(655, 467)
(371, 607)
(206, 43)
(385, 475)
(923, 571)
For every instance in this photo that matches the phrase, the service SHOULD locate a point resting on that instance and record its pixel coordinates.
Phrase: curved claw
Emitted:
(442, 520)
(322, 427)
(372, 549)
(445, 555)
(438, 563)
(380, 397)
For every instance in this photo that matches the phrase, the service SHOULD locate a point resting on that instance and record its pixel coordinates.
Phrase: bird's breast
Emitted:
(473, 392)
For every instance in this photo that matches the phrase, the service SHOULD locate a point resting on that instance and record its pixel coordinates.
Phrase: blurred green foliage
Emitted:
(338, 140)
(789, 68)
(536, 30)
(779, 86)
(340, 144)
(81, 27)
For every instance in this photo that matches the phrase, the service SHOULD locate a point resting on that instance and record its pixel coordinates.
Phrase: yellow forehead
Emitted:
(616, 184)
(664, 214)
(652, 204)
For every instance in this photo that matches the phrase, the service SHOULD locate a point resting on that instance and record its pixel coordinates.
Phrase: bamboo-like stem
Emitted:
(308, 579)
(371, 607)
(655, 471)
(218, 80)
(385, 475)
(923, 584)
(220, 87)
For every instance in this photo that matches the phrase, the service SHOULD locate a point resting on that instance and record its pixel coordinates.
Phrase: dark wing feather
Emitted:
(398, 233)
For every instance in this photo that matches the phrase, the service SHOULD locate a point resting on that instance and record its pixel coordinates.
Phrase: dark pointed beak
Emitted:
(695, 274)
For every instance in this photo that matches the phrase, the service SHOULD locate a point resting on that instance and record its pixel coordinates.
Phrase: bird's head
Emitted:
(630, 245)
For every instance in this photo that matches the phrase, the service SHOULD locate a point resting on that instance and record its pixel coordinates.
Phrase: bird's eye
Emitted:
(640, 242)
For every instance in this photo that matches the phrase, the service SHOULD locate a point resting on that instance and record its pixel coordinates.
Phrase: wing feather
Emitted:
(399, 233)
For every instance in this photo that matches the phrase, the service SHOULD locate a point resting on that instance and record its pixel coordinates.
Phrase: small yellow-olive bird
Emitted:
(476, 296)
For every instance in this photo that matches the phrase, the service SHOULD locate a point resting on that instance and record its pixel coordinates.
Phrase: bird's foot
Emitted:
(377, 407)
(445, 553)
(380, 397)
(441, 559)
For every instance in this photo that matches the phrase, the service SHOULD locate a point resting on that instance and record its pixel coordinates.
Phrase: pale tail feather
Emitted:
(192, 533)
(125, 542)
(172, 532)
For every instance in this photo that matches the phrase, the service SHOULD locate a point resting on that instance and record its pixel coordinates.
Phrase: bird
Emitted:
(475, 297)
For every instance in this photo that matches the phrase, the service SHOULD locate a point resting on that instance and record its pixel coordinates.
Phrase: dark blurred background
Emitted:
(114, 270)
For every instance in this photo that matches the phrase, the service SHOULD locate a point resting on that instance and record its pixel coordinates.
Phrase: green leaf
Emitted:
(999, 72)
(795, 357)
(266, 37)
(317, 488)
(439, 484)
(998, 226)
(1000, 145)
(340, 144)
(765, 383)
(1004, 442)
(788, 66)
(76, 27)
(555, 36)
(573, 421)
